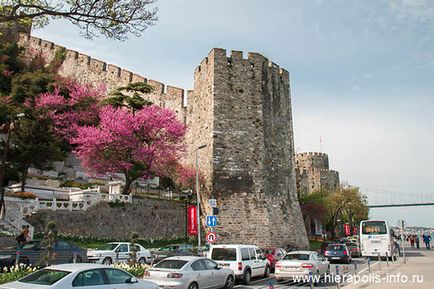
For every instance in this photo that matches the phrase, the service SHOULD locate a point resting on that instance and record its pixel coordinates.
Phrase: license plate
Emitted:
(289, 268)
(335, 258)
(376, 241)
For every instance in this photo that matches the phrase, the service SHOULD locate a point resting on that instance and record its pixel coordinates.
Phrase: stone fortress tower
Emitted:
(240, 109)
(313, 173)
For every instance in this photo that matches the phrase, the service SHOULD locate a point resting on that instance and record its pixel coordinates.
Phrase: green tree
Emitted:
(48, 257)
(113, 19)
(348, 205)
(130, 96)
(33, 144)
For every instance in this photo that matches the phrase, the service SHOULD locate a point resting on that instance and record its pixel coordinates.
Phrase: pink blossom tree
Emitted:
(71, 107)
(136, 145)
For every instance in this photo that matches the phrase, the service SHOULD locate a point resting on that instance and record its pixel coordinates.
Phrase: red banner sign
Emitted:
(347, 229)
(192, 220)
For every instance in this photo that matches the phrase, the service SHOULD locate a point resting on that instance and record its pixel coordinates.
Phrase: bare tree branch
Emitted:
(111, 18)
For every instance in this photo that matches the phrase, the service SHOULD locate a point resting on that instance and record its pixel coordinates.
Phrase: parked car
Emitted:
(118, 252)
(170, 251)
(31, 253)
(301, 263)
(70, 276)
(354, 249)
(273, 255)
(190, 272)
(247, 261)
(338, 253)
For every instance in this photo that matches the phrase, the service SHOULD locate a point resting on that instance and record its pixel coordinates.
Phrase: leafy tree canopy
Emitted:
(111, 18)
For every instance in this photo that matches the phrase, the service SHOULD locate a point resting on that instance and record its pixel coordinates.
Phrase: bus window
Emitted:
(374, 228)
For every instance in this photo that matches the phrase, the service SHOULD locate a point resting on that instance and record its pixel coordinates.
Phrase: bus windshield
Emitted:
(374, 228)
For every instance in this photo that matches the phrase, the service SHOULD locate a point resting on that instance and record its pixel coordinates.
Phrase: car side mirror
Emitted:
(218, 267)
(117, 250)
(132, 280)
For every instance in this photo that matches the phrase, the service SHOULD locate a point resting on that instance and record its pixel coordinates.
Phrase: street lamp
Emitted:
(7, 128)
(198, 198)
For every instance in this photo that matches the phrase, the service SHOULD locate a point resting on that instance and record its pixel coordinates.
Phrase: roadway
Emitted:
(359, 265)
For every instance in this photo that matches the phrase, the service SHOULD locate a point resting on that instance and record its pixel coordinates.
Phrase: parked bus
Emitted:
(376, 238)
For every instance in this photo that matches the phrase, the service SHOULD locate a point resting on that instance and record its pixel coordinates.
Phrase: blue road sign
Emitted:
(211, 221)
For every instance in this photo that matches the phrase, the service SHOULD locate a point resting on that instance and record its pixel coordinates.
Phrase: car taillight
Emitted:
(326, 253)
(174, 275)
(240, 266)
(345, 252)
(306, 266)
(278, 265)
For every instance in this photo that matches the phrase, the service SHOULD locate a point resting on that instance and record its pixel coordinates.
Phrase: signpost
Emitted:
(211, 237)
(211, 221)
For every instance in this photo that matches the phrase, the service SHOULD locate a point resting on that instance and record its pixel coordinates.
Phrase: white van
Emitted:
(247, 261)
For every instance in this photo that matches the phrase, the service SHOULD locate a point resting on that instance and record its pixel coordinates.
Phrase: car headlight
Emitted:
(5, 256)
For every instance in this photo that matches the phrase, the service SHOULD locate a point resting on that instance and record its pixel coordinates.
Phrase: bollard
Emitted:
(311, 280)
(74, 258)
(117, 257)
(17, 257)
(338, 281)
(355, 268)
(379, 262)
(387, 259)
(369, 264)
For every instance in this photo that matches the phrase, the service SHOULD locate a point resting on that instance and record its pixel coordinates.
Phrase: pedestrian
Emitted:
(412, 241)
(427, 240)
(417, 240)
(28, 237)
(21, 238)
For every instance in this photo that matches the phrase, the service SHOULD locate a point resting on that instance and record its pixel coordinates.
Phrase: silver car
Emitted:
(189, 272)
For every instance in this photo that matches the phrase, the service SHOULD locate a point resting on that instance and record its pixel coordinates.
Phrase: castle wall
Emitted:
(253, 170)
(86, 69)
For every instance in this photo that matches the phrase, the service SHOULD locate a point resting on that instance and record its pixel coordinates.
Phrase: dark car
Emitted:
(338, 253)
(273, 255)
(31, 254)
(354, 249)
(170, 251)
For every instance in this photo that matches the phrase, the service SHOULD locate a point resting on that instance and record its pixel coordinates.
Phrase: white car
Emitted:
(118, 252)
(301, 263)
(189, 272)
(83, 276)
(247, 261)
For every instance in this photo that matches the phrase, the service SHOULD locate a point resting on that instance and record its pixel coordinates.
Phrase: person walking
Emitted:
(427, 240)
(21, 238)
(417, 240)
(412, 241)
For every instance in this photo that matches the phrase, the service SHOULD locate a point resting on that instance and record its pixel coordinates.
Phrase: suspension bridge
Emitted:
(392, 199)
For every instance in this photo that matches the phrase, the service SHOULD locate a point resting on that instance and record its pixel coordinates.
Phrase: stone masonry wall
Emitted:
(151, 219)
(86, 69)
(253, 167)
(313, 173)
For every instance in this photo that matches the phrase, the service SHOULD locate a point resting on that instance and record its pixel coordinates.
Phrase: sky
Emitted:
(362, 77)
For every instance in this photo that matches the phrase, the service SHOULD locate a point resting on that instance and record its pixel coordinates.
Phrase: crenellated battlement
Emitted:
(88, 69)
(236, 58)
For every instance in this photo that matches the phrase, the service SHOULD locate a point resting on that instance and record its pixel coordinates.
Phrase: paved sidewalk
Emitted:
(418, 272)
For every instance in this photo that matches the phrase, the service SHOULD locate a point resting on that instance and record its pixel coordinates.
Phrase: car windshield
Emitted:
(224, 254)
(169, 248)
(44, 277)
(335, 248)
(109, 247)
(374, 228)
(304, 257)
(171, 264)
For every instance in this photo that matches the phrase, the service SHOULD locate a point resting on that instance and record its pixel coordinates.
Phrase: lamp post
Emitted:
(198, 199)
(7, 128)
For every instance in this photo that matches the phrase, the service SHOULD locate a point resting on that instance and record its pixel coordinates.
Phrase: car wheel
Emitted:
(193, 286)
(229, 282)
(107, 261)
(267, 272)
(247, 277)
(142, 261)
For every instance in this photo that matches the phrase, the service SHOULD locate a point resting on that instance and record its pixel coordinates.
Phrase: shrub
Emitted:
(16, 272)
(137, 269)
(25, 195)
